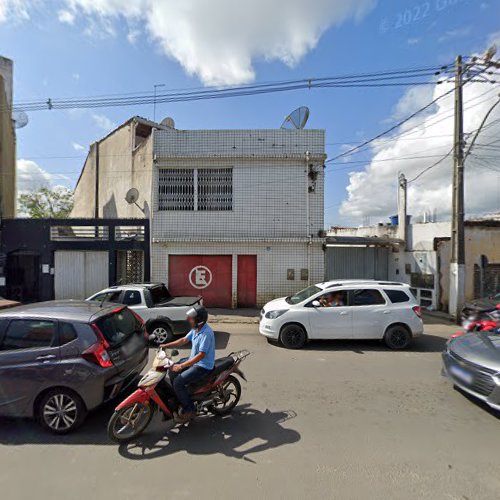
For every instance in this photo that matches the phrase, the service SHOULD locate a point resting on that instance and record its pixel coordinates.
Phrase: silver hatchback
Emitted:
(60, 359)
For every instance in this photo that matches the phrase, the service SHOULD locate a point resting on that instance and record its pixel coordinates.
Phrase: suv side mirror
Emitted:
(316, 303)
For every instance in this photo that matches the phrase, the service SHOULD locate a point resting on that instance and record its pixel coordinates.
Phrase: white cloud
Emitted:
(66, 17)
(103, 122)
(15, 9)
(76, 76)
(372, 191)
(217, 40)
(413, 41)
(431, 134)
(30, 177)
(77, 147)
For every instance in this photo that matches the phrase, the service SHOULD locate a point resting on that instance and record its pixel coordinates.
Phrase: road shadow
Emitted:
(243, 433)
(425, 343)
(93, 431)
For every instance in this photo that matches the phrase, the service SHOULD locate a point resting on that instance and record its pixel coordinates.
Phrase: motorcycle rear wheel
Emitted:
(129, 422)
(232, 390)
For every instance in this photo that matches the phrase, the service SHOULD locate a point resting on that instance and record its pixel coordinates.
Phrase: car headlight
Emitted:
(275, 314)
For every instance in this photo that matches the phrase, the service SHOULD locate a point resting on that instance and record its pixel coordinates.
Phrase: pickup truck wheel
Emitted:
(161, 333)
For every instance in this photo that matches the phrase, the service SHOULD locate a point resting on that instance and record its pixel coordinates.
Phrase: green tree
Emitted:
(47, 203)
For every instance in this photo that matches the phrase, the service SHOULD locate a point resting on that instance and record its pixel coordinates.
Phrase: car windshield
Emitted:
(118, 326)
(303, 295)
(160, 294)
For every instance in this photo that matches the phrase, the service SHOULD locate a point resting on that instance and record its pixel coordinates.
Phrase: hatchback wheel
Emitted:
(61, 411)
(397, 337)
(161, 334)
(293, 337)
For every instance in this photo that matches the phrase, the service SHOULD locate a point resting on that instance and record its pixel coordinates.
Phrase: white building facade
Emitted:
(237, 215)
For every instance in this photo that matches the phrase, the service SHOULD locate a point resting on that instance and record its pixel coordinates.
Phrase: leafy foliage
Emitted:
(47, 203)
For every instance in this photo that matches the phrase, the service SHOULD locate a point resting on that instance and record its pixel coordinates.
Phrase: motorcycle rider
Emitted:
(200, 362)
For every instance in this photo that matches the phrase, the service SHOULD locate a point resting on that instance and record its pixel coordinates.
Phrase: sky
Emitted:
(71, 48)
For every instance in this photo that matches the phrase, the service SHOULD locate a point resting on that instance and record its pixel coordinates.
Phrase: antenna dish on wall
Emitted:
(132, 196)
(296, 119)
(20, 119)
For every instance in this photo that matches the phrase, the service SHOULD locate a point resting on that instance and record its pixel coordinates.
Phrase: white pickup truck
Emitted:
(164, 315)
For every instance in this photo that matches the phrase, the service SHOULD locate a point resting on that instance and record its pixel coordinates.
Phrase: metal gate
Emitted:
(80, 273)
(350, 262)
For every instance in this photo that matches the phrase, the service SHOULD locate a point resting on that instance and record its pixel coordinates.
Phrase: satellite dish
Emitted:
(168, 122)
(20, 119)
(296, 119)
(132, 196)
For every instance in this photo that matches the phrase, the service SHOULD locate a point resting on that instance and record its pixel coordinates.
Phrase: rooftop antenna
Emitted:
(20, 119)
(297, 119)
(131, 198)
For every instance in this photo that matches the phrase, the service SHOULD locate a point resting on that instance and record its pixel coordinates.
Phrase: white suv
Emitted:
(344, 309)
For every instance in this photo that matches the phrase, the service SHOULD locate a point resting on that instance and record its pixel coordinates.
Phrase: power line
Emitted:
(376, 79)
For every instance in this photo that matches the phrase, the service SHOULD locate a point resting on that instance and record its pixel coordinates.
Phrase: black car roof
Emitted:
(67, 310)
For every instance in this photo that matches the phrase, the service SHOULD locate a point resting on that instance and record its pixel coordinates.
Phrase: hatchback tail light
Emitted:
(97, 352)
(417, 310)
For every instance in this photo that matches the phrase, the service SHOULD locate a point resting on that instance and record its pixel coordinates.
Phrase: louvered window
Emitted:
(198, 189)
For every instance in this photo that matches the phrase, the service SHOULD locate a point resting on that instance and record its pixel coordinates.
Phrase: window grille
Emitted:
(190, 189)
(176, 189)
(215, 189)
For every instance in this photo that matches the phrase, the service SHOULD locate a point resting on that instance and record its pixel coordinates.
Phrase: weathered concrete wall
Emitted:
(121, 167)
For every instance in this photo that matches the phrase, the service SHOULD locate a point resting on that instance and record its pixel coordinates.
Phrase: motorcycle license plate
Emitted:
(461, 374)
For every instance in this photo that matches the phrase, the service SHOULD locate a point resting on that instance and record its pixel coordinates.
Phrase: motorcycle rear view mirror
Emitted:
(174, 352)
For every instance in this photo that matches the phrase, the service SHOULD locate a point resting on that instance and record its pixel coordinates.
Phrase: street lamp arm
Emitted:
(469, 149)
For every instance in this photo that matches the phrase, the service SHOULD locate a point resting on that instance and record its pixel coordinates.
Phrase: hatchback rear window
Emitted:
(397, 296)
(118, 326)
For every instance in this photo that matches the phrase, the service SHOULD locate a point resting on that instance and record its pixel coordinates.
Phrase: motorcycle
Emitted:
(486, 321)
(217, 393)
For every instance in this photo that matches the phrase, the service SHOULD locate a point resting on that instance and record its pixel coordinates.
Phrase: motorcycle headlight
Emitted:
(275, 314)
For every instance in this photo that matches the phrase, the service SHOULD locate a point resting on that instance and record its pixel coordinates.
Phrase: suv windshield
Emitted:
(160, 294)
(118, 326)
(303, 295)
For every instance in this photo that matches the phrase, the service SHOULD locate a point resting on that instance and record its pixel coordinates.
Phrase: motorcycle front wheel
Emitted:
(228, 397)
(129, 422)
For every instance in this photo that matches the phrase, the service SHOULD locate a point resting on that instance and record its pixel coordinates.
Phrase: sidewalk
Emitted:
(246, 316)
(252, 316)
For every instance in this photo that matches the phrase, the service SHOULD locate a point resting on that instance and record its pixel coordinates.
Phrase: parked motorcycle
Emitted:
(217, 393)
(486, 321)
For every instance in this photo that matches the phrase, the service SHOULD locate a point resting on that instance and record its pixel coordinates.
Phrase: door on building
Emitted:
(247, 280)
(22, 276)
(80, 273)
(207, 275)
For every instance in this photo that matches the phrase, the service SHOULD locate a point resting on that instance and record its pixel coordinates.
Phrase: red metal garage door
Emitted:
(206, 275)
(247, 280)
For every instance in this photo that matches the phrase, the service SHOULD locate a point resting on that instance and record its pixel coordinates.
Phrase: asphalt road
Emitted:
(335, 420)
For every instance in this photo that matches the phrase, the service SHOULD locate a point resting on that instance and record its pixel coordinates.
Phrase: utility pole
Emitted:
(457, 264)
(402, 210)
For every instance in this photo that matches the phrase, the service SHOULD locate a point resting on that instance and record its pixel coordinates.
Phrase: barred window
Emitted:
(176, 189)
(195, 189)
(215, 189)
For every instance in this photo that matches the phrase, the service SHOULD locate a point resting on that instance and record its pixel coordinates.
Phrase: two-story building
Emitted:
(236, 215)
